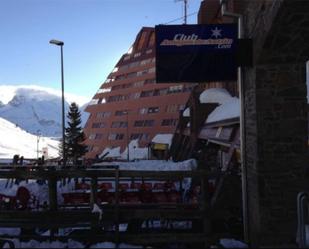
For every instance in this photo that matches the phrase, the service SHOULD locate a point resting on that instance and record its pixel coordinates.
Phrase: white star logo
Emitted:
(216, 32)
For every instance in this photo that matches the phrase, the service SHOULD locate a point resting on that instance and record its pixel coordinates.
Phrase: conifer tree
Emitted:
(74, 135)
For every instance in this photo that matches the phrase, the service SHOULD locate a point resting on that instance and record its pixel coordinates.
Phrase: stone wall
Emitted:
(275, 117)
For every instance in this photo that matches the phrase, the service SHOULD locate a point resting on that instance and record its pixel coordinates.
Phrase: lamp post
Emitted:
(60, 43)
(128, 141)
(37, 143)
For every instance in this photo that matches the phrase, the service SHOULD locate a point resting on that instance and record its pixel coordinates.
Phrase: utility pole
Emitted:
(185, 5)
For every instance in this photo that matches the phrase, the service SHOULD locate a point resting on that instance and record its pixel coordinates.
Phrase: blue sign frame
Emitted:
(196, 53)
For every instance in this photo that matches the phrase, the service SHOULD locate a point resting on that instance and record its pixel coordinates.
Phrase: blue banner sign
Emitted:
(196, 53)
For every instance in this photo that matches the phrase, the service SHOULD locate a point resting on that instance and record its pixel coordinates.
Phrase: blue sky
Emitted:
(95, 34)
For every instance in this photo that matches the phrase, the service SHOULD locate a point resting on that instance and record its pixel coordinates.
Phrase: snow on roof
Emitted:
(215, 95)
(112, 152)
(163, 139)
(229, 109)
(155, 165)
(135, 152)
(186, 112)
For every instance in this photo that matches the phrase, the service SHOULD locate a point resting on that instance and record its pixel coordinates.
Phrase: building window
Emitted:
(98, 125)
(169, 122)
(144, 123)
(139, 123)
(115, 136)
(95, 136)
(147, 93)
(103, 114)
(138, 83)
(172, 108)
(143, 110)
(153, 109)
(104, 90)
(160, 92)
(121, 112)
(140, 136)
(119, 124)
(150, 81)
(134, 95)
(175, 89)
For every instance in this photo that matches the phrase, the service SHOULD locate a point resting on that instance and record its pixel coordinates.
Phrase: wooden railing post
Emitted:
(117, 205)
(52, 191)
(94, 190)
(205, 206)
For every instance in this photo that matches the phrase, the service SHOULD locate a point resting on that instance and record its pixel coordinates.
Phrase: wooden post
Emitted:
(205, 206)
(94, 189)
(117, 205)
(52, 190)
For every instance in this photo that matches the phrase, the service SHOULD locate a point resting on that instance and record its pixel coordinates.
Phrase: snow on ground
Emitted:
(163, 139)
(14, 140)
(155, 165)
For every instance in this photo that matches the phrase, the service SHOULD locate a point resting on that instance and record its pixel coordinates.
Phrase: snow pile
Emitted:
(186, 112)
(14, 140)
(215, 95)
(163, 139)
(112, 152)
(135, 152)
(35, 108)
(230, 109)
(155, 165)
(232, 243)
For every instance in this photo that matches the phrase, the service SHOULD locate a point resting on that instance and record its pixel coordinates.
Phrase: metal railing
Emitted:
(302, 218)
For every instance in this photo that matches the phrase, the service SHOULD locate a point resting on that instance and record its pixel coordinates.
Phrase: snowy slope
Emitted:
(35, 108)
(16, 141)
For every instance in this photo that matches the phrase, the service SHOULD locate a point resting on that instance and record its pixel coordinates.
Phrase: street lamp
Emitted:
(128, 141)
(60, 43)
(38, 134)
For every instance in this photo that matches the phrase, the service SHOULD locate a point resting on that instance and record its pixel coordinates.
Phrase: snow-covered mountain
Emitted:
(37, 109)
(14, 140)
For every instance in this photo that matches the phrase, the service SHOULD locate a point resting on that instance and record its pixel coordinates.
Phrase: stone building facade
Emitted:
(275, 117)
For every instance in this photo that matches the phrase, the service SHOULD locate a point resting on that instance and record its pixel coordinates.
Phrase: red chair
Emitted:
(131, 197)
(135, 186)
(82, 186)
(7, 202)
(146, 186)
(159, 197)
(159, 186)
(76, 198)
(23, 198)
(123, 186)
(106, 186)
(174, 197)
(169, 186)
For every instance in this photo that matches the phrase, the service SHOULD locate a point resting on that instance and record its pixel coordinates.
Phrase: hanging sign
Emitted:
(196, 53)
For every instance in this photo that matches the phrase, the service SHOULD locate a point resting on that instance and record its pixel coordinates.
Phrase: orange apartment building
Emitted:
(130, 104)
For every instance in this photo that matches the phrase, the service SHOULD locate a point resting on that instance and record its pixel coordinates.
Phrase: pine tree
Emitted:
(74, 135)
